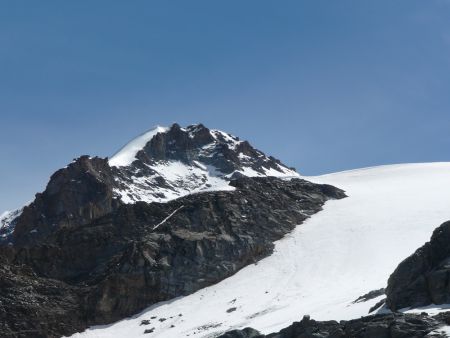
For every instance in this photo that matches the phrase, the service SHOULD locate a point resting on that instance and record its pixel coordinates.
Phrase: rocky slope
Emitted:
(424, 277)
(110, 256)
(32, 306)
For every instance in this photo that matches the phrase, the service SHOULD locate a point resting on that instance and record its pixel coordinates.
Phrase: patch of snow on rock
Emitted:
(7, 222)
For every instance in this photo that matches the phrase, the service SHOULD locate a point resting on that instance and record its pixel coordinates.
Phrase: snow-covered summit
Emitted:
(127, 154)
(169, 162)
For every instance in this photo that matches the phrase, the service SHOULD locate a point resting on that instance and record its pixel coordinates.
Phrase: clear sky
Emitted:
(322, 85)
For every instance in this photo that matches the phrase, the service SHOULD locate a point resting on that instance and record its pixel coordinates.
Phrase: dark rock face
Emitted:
(74, 196)
(424, 277)
(379, 326)
(96, 260)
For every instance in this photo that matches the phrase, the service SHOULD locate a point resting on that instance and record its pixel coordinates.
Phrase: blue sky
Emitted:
(322, 85)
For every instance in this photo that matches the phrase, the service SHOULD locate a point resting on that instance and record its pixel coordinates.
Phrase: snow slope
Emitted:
(179, 180)
(339, 254)
(127, 154)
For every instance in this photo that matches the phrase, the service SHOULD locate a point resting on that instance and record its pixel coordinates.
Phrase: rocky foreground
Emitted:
(394, 325)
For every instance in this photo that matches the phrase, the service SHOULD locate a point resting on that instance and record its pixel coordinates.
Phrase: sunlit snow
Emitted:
(127, 154)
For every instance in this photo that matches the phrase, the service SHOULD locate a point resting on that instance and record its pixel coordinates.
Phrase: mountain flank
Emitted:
(104, 241)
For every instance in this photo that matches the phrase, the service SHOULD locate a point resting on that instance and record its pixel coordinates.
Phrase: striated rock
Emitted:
(424, 277)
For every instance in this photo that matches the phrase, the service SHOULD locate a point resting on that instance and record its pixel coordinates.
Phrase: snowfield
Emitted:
(339, 254)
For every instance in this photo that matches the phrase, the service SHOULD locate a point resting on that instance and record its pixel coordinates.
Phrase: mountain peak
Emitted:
(170, 162)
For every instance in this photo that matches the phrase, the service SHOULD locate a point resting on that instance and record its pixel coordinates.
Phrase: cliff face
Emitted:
(75, 195)
(424, 277)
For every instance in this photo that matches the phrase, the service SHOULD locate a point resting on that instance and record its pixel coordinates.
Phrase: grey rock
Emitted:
(244, 333)
(378, 326)
(423, 278)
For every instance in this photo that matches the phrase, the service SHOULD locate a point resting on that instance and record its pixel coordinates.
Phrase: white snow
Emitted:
(232, 140)
(339, 254)
(4, 215)
(431, 309)
(445, 330)
(181, 180)
(280, 173)
(6, 221)
(167, 218)
(127, 154)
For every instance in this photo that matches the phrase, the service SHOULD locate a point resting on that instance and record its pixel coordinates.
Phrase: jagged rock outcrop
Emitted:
(379, 326)
(112, 259)
(424, 277)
